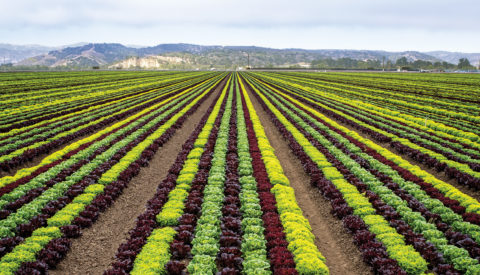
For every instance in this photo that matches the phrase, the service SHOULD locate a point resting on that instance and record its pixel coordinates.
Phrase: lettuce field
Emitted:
(239, 173)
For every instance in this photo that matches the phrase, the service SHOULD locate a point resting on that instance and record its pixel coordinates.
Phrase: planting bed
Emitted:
(239, 173)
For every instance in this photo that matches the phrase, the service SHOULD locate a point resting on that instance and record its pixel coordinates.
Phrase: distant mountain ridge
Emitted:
(453, 57)
(10, 53)
(199, 56)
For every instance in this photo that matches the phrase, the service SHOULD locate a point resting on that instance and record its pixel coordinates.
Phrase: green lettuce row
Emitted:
(41, 179)
(173, 208)
(13, 260)
(406, 256)
(308, 259)
(112, 109)
(413, 218)
(205, 244)
(155, 253)
(254, 250)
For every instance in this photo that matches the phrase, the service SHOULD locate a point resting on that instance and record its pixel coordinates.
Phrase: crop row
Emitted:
(452, 96)
(226, 205)
(458, 153)
(436, 118)
(34, 110)
(18, 148)
(41, 214)
(377, 200)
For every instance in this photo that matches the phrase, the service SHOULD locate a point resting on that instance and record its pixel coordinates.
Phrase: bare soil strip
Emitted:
(93, 252)
(37, 159)
(439, 175)
(333, 241)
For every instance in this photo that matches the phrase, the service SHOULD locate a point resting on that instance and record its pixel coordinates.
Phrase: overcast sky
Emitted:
(393, 25)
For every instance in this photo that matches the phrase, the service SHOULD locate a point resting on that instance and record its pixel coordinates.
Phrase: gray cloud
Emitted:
(21, 18)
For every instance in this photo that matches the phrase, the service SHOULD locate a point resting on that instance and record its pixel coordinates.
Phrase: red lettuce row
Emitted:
(72, 110)
(374, 253)
(146, 222)
(111, 191)
(118, 154)
(281, 259)
(462, 177)
(229, 258)
(426, 249)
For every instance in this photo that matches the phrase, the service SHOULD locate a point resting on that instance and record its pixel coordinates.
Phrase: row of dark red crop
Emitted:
(53, 253)
(426, 249)
(32, 153)
(146, 222)
(281, 259)
(374, 253)
(461, 177)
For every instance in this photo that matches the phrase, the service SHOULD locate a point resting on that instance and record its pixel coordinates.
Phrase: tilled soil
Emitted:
(37, 159)
(439, 175)
(331, 238)
(95, 250)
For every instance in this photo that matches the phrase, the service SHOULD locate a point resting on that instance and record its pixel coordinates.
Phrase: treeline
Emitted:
(401, 63)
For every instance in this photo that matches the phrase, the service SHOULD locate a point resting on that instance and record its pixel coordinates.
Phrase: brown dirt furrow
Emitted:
(95, 250)
(331, 238)
(38, 159)
(439, 175)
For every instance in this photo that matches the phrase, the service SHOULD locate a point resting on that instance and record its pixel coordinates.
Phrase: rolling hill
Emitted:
(190, 56)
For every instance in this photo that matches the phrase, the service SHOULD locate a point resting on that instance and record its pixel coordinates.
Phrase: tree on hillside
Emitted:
(464, 64)
(402, 61)
(422, 64)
